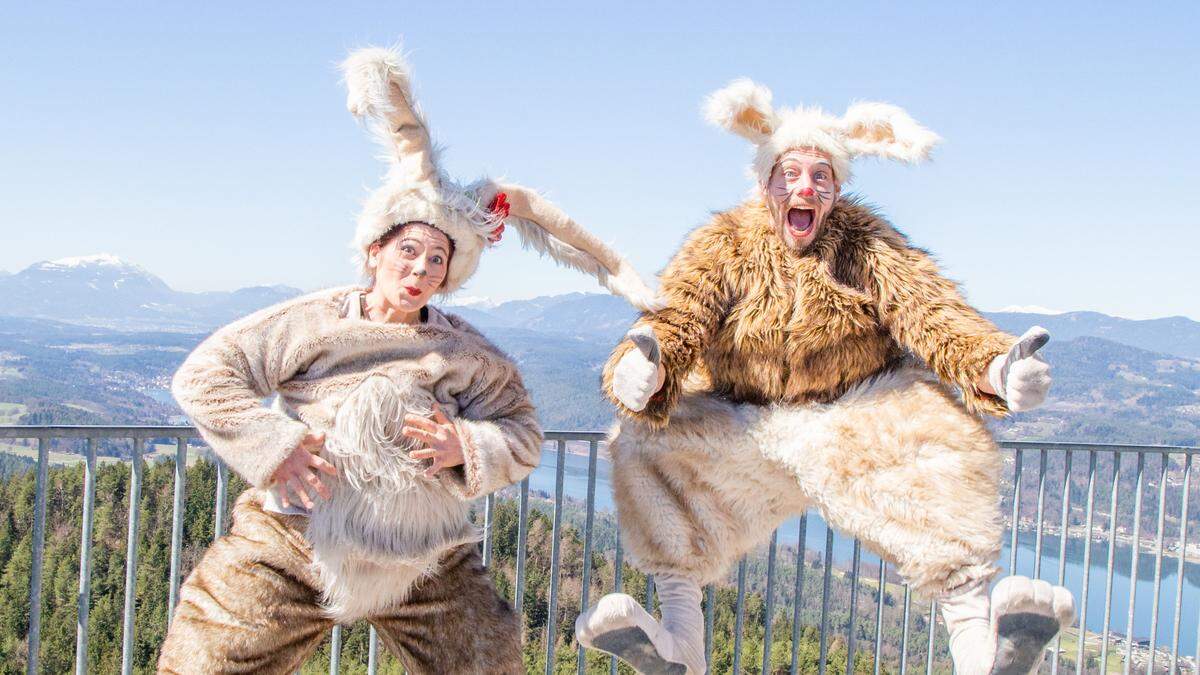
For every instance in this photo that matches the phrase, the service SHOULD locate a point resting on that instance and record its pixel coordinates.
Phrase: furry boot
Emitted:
(1008, 634)
(620, 626)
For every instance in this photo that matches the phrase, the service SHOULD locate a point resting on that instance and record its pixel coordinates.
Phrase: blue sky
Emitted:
(210, 143)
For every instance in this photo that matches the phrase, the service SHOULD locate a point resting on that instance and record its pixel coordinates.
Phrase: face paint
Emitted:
(800, 194)
(410, 268)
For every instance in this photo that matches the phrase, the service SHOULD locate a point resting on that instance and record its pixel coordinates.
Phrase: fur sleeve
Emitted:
(221, 386)
(925, 312)
(501, 437)
(697, 292)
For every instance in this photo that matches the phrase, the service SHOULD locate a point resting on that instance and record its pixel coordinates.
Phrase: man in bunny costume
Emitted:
(391, 417)
(805, 357)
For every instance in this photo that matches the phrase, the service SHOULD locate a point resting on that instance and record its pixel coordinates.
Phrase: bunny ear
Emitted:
(379, 90)
(744, 108)
(546, 229)
(886, 131)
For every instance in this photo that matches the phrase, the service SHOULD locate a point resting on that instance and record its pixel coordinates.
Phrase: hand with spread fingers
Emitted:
(1021, 377)
(299, 472)
(444, 444)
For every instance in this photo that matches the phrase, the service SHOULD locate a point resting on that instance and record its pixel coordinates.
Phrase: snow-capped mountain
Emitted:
(107, 291)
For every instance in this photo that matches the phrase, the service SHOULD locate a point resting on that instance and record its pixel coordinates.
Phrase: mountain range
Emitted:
(103, 290)
(95, 340)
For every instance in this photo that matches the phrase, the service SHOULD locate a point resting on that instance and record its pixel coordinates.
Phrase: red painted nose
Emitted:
(807, 192)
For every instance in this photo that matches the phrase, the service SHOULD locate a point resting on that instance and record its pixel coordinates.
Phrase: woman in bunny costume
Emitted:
(391, 417)
(805, 357)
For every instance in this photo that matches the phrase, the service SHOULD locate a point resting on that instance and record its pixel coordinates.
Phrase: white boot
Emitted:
(620, 626)
(1008, 634)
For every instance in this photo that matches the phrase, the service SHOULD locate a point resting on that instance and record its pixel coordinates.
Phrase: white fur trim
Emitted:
(869, 128)
(744, 108)
(546, 229)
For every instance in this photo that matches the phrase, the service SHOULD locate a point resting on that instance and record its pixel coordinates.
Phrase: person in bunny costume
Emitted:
(805, 357)
(391, 416)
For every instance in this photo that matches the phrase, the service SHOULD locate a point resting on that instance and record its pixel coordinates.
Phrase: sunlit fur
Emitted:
(790, 381)
(867, 129)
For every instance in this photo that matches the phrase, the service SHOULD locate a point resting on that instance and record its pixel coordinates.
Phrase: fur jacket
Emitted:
(355, 379)
(751, 320)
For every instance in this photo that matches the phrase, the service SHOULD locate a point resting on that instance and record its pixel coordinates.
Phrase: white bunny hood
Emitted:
(415, 189)
(868, 128)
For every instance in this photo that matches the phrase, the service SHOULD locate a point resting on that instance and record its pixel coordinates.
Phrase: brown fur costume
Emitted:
(712, 464)
(450, 623)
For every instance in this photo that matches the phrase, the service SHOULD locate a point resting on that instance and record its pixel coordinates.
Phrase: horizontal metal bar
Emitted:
(118, 431)
(99, 431)
(560, 435)
(1119, 447)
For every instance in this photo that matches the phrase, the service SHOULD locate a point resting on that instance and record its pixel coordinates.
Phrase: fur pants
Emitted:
(896, 462)
(253, 605)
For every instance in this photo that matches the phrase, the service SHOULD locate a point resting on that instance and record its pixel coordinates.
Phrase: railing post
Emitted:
(1065, 526)
(221, 498)
(335, 650)
(798, 592)
(1114, 491)
(489, 506)
(555, 547)
(879, 616)
(39, 540)
(590, 506)
(1158, 551)
(522, 533)
(177, 524)
(1087, 564)
(1133, 563)
(1179, 579)
(131, 557)
(850, 642)
(740, 616)
(85, 559)
(1016, 511)
(769, 620)
(825, 584)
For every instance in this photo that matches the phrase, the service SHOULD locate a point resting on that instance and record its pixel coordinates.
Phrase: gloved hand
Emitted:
(1022, 377)
(639, 374)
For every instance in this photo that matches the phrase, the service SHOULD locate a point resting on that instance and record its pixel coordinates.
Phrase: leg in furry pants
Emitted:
(252, 605)
(896, 462)
(454, 622)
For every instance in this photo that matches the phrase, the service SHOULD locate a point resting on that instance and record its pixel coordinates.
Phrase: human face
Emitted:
(800, 194)
(410, 267)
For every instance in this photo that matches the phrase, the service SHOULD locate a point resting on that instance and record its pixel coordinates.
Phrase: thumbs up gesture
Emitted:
(639, 374)
(1021, 377)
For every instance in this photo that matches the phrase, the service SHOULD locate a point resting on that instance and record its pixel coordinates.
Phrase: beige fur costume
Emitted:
(390, 546)
(384, 534)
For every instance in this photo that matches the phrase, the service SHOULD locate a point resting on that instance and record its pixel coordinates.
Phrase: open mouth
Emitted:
(800, 221)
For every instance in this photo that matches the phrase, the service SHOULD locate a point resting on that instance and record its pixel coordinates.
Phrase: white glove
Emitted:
(1022, 377)
(635, 378)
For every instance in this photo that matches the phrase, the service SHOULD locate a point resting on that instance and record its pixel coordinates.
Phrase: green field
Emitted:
(154, 452)
(10, 413)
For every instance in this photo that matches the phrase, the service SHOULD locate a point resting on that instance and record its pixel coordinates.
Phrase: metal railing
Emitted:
(1064, 455)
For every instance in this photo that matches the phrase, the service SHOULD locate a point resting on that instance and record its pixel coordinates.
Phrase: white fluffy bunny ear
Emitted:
(546, 229)
(743, 107)
(379, 90)
(887, 131)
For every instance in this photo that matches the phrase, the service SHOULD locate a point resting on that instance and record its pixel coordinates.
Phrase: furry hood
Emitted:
(868, 128)
(415, 189)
